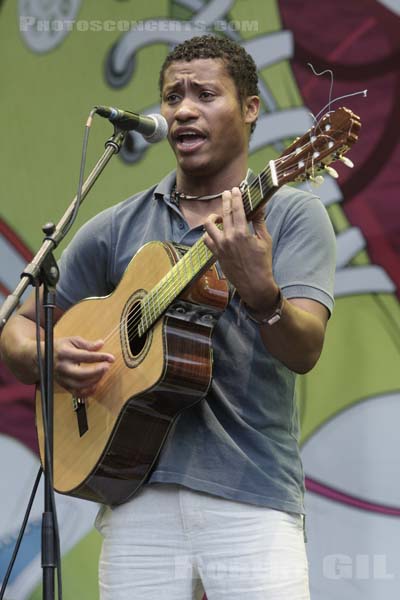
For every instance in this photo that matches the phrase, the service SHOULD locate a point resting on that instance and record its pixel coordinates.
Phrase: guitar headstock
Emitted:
(323, 144)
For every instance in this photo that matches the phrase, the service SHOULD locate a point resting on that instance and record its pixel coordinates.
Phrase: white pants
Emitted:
(170, 543)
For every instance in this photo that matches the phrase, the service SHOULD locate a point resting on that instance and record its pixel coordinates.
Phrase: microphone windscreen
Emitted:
(161, 130)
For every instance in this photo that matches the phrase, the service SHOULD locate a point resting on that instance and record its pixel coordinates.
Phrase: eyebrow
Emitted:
(196, 84)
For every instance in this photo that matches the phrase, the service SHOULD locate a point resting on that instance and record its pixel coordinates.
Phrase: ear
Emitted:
(251, 109)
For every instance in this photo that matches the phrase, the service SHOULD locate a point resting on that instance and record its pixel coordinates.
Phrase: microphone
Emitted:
(153, 128)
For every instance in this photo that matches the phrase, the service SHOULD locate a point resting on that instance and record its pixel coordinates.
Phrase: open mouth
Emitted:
(189, 140)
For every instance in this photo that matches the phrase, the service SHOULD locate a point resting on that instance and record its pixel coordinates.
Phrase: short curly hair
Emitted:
(239, 64)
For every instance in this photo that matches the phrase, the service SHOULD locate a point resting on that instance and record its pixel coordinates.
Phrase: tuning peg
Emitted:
(331, 172)
(316, 181)
(346, 161)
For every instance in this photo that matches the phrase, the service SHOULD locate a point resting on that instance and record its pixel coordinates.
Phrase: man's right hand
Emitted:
(79, 365)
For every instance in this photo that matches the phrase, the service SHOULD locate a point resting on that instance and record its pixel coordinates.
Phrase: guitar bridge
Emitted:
(79, 407)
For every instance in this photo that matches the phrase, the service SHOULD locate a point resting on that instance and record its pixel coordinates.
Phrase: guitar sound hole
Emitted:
(136, 342)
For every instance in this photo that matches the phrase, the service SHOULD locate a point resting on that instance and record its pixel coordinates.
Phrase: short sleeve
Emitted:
(304, 253)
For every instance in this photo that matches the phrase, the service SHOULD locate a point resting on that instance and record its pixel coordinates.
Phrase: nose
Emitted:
(187, 110)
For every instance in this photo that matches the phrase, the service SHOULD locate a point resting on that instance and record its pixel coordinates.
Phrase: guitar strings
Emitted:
(330, 87)
(166, 285)
(362, 93)
(328, 105)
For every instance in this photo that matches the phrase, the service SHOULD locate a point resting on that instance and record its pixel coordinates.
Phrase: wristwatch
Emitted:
(272, 318)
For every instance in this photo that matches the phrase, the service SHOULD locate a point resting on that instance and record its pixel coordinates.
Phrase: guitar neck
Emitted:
(199, 258)
(260, 190)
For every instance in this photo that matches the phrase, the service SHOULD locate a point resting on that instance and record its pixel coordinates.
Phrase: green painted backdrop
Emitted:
(45, 98)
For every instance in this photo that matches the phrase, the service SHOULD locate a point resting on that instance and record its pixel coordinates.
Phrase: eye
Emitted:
(171, 98)
(206, 95)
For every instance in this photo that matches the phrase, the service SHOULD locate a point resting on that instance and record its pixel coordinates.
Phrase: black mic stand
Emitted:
(43, 269)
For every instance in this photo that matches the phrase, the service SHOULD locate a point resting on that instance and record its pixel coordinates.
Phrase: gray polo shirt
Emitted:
(241, 441)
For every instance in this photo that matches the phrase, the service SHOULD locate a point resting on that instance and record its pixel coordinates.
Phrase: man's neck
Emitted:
(196, 210)
(206, 184)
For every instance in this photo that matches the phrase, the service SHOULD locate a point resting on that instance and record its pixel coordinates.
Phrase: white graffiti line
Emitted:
(349, 243)
(214, 10)
(134, 40)
(278, 126)
(357, 279)
(393, 5)
(171, 31)
(192, 4)
(365, 279)
(44, 25)
(329, 191)
(267, 50)
(351, 279)
(270, 48)
(343, 460)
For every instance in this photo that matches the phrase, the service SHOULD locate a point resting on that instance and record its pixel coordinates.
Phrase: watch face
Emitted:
(274, 319)
(45, 23)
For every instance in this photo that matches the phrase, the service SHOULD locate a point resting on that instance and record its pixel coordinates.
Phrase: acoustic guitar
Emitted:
(158, 324)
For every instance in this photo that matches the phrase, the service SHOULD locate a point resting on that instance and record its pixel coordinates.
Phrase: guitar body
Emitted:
(106, 445)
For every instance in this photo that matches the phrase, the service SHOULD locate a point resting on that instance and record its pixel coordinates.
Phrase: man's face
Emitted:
(208, 129)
